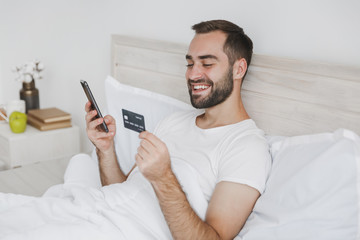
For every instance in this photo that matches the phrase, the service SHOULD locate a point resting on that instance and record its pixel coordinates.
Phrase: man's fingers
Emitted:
(100, 135)
(139, 161)
(146, 145)
(89, 117)
(108, 119)
(138, 158)
(151, 138)
(94, 124)
(146, 149)
(88, 106)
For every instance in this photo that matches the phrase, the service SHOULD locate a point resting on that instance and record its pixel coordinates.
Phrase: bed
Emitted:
(302, 106)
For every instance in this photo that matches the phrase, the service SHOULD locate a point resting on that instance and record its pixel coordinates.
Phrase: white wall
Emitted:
(72, 38)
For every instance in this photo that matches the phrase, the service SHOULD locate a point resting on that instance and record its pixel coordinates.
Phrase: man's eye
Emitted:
(189, 65)
(207, 65)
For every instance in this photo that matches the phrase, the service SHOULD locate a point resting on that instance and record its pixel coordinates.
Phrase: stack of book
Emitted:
(48, 118)
(3, 114)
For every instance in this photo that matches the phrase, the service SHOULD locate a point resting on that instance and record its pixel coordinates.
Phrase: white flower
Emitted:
(36, 75)
(18, 76)
(29, 68)
(28, 78)
(29, 71)
(40, 66)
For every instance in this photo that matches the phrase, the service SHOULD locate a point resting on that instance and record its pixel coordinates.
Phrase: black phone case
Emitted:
(94, 105)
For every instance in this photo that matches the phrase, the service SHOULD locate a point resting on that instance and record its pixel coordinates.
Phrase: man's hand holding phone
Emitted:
(104, 141)
(101, 131)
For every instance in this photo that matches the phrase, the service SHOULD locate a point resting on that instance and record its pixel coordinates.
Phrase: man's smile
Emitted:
(197, 88)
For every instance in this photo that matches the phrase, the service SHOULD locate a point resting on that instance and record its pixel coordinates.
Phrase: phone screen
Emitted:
(94, 106)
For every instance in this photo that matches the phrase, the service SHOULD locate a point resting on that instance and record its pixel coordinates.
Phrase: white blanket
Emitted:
(129, 210)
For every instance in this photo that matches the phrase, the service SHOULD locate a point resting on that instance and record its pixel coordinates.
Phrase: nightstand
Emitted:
(18, 149)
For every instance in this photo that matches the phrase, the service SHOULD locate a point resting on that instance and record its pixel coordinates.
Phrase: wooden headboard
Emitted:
(285, 97)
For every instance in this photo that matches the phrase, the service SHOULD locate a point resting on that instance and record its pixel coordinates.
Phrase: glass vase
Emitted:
(30, 94)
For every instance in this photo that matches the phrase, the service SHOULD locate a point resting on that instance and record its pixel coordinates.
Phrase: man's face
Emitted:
(209, 76)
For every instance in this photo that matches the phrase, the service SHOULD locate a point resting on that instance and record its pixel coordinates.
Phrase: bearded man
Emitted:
(218, 139)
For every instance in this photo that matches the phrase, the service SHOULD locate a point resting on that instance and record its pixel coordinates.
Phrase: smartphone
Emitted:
(91, 98)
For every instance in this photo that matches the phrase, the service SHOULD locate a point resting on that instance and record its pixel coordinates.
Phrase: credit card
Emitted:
(133, 121)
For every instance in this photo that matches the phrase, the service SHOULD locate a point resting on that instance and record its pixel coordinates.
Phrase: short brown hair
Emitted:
(237, 45)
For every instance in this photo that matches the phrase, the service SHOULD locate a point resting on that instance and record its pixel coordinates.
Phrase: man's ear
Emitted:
(239, 69)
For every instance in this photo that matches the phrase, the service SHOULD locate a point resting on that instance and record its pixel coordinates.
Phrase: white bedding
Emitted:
(77, 210)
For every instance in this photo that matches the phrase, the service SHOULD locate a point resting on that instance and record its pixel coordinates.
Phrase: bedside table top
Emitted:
(5, 131)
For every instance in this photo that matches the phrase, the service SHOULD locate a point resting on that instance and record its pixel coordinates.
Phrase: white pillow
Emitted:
(312, 192)
(153, 106)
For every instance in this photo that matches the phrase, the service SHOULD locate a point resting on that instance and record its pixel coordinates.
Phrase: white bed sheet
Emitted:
(79, 209)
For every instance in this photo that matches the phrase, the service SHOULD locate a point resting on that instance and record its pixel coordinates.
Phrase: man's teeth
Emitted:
(197, 87)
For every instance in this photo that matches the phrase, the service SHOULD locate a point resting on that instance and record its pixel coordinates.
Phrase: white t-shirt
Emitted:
(236, 153)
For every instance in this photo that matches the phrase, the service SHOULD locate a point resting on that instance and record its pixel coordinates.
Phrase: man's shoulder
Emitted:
(245, 133)
(246, 128)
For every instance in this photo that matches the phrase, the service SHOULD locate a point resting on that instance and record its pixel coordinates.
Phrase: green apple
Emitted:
(17, 121)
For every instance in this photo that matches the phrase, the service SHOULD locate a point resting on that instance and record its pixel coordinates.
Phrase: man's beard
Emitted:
(220, 91)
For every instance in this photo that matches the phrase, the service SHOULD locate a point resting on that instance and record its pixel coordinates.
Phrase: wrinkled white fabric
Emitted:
(80, 209)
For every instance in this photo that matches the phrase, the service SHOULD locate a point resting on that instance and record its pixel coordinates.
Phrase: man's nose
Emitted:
(195, 73)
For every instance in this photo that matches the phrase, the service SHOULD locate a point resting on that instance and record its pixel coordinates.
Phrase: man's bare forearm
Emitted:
(181, 218)
(110, 171)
